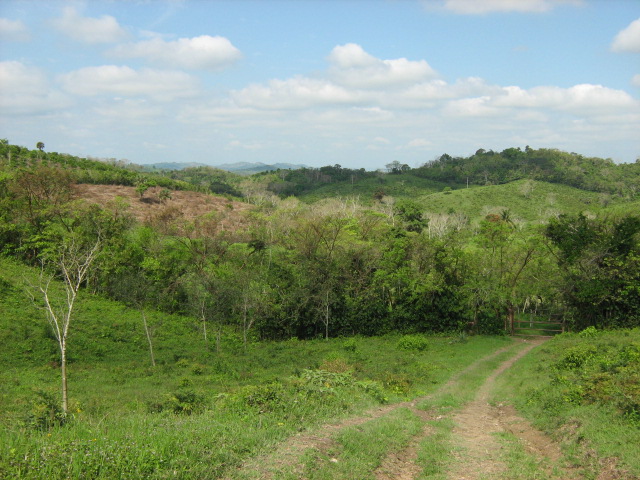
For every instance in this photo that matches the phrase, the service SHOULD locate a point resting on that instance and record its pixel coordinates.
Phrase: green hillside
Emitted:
(400, 186)
(527, 200)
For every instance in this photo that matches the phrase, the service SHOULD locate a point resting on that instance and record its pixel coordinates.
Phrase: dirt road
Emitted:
(478, 454)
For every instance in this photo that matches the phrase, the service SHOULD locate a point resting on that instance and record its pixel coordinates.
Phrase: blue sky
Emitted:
(360, 83)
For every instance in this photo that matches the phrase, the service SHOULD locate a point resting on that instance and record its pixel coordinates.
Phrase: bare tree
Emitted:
(74, 262)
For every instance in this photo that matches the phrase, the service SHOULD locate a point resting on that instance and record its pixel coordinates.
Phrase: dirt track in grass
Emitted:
(478, 423)
(478, 453)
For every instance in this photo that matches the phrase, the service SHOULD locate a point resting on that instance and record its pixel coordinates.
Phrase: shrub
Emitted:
(184, 400)
(45, 412)
(399, 384)
(350, 345)
(576, 357)
(416, 343)
(588, 332)
(326, 378)
(373, 388)
(266, 398)
(335, 365)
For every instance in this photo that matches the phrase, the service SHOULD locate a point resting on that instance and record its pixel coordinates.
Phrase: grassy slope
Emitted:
(545, 200)
(249, 402)
(400, 186)
(242, 404)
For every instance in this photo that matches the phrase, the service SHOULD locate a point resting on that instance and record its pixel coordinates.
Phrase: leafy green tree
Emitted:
(600, 261)
(503, 272)
(411, 213)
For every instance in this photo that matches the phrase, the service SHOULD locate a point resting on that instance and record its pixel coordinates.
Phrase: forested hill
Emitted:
(485, 167)
(116, 172)
(480, 169)
(550, 165)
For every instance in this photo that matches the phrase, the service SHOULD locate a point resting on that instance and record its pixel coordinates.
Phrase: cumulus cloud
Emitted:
(476, 7)
(635, 81)
(25, 90)
(13, 30)
(160, 85)
(578, 97)
(419, 143)
(294, 93)
(199, 53)
(628, 40)
(130, 109)
(352, 66)
(585, 99)
(87, 29)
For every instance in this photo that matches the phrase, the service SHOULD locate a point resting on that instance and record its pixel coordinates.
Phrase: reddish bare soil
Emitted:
(183, 205)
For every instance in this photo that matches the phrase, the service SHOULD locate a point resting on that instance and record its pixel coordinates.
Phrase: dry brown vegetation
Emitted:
(183, 205)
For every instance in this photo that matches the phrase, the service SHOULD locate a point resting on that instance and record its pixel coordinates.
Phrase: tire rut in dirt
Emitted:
(288, 454)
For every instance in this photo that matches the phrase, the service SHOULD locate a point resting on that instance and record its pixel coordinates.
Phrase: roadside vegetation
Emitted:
(584, 390)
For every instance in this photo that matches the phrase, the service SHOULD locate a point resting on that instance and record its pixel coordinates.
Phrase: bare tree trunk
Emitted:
(204, 321)
(326, 317)
(63, 371)
(146, 330)
(245, 307)
(510, 318)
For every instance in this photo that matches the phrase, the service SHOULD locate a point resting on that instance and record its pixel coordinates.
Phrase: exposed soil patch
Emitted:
(182, 206)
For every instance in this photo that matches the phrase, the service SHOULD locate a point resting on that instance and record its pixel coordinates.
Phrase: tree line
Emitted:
(487, 167)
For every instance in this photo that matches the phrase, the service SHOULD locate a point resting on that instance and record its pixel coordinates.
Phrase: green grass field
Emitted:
(201, 414)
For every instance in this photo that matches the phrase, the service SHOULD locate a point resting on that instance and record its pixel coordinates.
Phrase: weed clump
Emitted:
(45, 412)
(415, 343)
(183, 400)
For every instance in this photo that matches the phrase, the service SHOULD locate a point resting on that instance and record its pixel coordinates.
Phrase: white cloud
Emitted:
(351, 116)
(161, 85)
(13, 30)
(246, 146)
(294, 93)
(130, 110)
(476, 7)
(89, 30)
(352, 66)
(203, 52)
(419, 143)
(628, 40)
(578, 97)
(635, 81)
(25, 90)
(471, 107)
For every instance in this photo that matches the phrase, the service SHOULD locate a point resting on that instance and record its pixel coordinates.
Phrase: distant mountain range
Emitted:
(243, 168)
